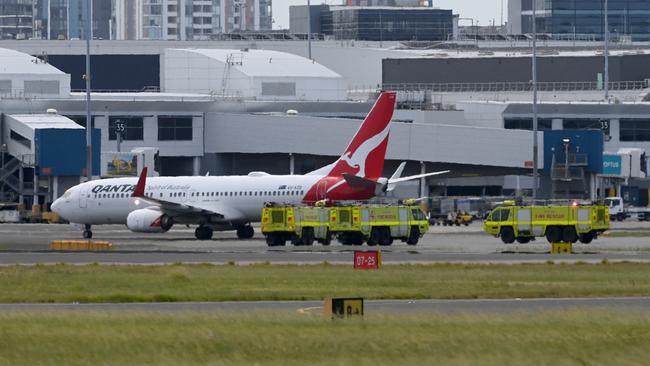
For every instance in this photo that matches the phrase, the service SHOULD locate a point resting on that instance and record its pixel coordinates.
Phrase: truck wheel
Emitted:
(308, 236)
(357, 239)
(620, 216)
(328, 238)
(414, 236)
(553, 234)
(586, 238)
(385, 236)
(270, 239)
(569, 235)
(375, 236)
(523, 240)
(507, 235)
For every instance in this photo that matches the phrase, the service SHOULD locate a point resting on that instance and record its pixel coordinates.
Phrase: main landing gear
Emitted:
(203, 233)
(87, 234)
(245, 232)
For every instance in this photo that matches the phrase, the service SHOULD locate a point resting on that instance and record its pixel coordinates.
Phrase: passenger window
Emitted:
(505, 214)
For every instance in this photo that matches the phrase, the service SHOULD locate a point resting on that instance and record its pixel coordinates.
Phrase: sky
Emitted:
(485, 11)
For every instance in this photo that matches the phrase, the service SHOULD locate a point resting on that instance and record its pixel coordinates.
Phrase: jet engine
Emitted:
(148, 220)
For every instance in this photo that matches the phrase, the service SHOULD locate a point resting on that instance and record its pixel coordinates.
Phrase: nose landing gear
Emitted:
(87, 233)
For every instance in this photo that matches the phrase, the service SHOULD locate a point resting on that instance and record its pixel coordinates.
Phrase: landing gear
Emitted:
(87, 234)
(245, 232)
(203, 233)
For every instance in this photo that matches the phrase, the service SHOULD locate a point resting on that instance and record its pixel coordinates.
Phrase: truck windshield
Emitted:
(418, 214)
(495, 215)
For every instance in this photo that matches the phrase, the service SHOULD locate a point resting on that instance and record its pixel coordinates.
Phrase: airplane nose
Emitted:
(56, 205)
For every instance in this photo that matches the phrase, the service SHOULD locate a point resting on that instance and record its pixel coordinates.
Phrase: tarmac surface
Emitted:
(370, 306)
(29, 244)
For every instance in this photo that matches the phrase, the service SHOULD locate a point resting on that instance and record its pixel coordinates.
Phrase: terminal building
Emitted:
(231, 117)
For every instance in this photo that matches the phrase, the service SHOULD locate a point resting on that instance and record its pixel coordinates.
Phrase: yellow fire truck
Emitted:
(299, 224)
(377, 224)
(558, 223)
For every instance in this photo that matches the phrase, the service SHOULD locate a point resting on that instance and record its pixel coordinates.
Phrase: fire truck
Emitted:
(378, 224)
(558, 223)
(351, 224)
(301, 225)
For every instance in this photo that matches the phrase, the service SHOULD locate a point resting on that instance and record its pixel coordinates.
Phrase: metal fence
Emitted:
(514, 86)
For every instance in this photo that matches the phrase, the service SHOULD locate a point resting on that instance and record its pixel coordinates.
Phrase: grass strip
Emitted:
(207, 282)
(576, 337)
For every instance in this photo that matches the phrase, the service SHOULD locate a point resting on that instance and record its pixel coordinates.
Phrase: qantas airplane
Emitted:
(153, 205)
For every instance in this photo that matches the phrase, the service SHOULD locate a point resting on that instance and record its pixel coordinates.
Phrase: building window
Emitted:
(20, 139)
(634, 129)
(543, 124)
(586, 123)
(174, 128)
(5, 86)
(133, 128)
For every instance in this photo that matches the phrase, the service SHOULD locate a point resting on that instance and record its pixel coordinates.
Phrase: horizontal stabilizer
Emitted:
(404, 179)
(359, 182)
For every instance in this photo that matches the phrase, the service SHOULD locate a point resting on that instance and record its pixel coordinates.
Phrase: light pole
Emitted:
(566, 142)
(309, 29)
(606, 35)
(534, 62)
(89, 149)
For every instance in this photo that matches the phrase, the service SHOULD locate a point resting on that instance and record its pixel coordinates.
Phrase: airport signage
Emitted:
(612, 165)
(367, 260)
(343, 308)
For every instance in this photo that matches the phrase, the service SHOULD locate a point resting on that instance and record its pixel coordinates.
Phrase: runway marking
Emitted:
(306, 310)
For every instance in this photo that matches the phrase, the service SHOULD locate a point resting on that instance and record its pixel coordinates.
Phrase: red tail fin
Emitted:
(139, 187)
(365, 154)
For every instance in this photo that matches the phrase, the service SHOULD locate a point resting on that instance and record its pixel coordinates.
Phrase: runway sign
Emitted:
(561, 248)
(343, 308)
(367, 260)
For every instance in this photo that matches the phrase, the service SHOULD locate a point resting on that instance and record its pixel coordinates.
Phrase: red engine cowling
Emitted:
(148, 220)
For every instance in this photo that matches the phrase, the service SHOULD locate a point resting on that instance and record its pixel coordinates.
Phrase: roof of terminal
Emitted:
(267, 63)
(14, 62)
(38, 121)
(514, 53)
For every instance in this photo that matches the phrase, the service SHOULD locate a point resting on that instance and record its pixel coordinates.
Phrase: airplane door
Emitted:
(193, 194)
(83, 197)
(321, 190)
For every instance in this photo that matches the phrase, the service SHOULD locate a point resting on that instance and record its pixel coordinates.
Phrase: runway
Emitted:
(370, 306)
(29, 244)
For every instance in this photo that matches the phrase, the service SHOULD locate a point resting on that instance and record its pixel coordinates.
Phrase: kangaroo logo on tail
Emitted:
(364, 157)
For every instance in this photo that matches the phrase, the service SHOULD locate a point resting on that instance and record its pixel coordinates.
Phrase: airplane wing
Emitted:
(182, 209)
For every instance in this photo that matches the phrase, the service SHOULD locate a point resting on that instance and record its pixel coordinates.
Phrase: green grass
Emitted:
(100, 283)
(110, 338)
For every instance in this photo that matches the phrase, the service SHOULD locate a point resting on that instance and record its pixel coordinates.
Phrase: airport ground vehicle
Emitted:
(618, 211)
(558, 223)
(378, 224)
(351, 224)
(299, 224)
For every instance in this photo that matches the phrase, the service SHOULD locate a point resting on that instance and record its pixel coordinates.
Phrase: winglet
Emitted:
(142, 181)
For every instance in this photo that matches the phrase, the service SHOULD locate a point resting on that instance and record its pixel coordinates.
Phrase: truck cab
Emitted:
(616, 208)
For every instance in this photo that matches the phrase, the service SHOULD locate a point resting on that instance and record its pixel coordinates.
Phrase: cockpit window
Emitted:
(67, 194)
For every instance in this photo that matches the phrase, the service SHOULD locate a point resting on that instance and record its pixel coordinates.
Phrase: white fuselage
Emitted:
(237, 198)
